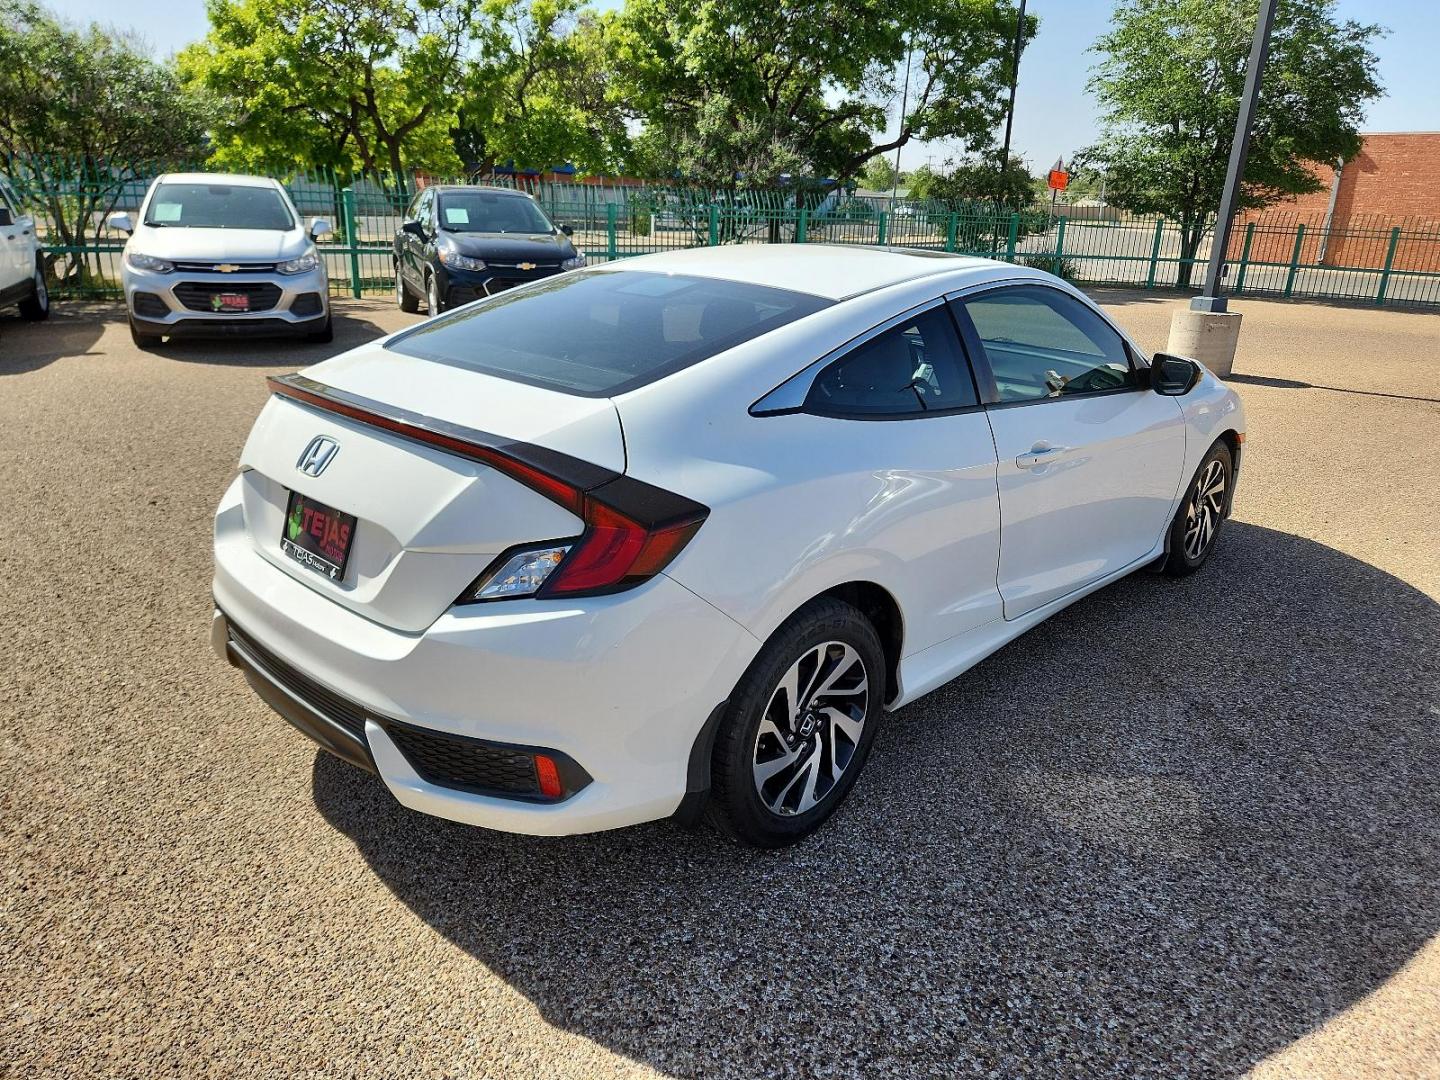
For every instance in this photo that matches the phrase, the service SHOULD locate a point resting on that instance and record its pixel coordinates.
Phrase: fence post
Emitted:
(611, 214)
(1155, 252)
(1013, 238)
(951, 229)
(802, 225)
(1295, 259)
(714, 225)
(1244, 259)
(1389, 262)
(1059, 248)
(884, 228)
(347, 203)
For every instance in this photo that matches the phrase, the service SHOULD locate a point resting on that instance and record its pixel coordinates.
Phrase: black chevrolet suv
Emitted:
(459, 243)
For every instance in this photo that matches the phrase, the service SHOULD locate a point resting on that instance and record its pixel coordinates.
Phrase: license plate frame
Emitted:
(317, 536)
(230, 302)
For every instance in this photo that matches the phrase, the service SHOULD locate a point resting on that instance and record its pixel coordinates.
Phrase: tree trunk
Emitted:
(1191, 233)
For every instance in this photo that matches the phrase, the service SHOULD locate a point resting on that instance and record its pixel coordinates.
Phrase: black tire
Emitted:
(407, 301)
(324, 335)
(816, 634)
(36, 306)
(144, 342)
(1200, 517)
(434, 302)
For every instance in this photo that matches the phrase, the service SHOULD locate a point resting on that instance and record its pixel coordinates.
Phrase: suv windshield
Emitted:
(490, 212)
(219, 206)
(604, 332)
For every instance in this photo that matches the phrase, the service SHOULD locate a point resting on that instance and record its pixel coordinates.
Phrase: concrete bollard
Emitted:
(1207, 336)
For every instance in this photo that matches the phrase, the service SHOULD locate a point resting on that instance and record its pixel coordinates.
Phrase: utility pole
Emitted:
(1210, 298)
(1014, 81)
(1208, 330)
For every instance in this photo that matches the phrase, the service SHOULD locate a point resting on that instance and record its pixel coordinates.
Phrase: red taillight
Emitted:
(616, 551)
(548, 776)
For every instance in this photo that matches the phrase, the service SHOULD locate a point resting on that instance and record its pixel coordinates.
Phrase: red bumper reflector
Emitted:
(548, 776)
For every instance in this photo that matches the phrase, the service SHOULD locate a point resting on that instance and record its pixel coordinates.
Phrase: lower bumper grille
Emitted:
(200, 295)
(454, 761)
(442, 759)
(344, 712)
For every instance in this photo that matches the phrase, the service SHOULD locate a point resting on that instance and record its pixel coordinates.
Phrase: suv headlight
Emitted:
(574, 264)
(456, 261)
(308, 261)
(139, 261)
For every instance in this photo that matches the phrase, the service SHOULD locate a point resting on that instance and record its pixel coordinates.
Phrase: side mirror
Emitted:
(121, 222)
(1173, 376)
(319, 227)
(6, 218)
(568, 230)
(414, 228)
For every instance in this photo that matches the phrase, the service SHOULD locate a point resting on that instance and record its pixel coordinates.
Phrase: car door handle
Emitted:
(1041, 454)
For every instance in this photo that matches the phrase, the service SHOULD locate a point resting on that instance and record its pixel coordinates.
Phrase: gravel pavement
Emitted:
(1182, 829)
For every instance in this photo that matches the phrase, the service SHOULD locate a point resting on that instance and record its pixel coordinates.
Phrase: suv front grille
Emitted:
(234, 268)
(196, 295)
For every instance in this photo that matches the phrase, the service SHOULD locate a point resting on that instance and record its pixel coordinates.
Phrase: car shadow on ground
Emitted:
(1166, 833)
(29, 346)
(351, 329)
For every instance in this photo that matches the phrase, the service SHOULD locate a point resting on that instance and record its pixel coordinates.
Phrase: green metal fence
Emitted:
(1380, 264)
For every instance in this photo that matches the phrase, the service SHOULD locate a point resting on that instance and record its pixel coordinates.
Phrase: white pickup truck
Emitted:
(22, 271)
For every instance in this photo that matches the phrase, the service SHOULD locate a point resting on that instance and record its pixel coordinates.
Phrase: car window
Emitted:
(914, 368)
(490, 212)
(604, 332)
(1042, 344)
(218, 206)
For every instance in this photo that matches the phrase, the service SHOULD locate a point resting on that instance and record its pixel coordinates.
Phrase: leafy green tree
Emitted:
(83, 114)
(980, 179)
(879, 174)
(334, 82)
(746, 91)
(1170, 80)
(540, 94)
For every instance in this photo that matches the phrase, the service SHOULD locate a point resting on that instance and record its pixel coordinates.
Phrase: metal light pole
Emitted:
(1014, 81)
(904, 104)
(1210, 298)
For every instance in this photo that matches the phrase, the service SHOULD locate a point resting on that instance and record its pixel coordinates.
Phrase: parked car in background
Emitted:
(460, 242)
(220, 255)
(672, 534)
(22, 267)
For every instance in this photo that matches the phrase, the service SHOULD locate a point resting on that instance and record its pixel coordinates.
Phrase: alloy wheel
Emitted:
(432, 295)
(399, 288)
(1205, 510)
(811, 728)
(42, 291)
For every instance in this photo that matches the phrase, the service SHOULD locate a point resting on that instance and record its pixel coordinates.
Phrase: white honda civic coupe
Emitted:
(671, 536)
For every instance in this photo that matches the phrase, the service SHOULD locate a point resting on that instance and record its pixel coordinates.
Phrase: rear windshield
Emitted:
(219, 206)
(484, 211)
(604, 332)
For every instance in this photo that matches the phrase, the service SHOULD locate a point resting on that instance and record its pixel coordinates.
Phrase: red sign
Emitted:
(1059, 179)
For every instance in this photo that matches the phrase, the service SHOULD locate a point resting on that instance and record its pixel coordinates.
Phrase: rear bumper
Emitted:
(620, 686)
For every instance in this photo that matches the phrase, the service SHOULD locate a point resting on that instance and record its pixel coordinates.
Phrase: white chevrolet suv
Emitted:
(22, 269)
(216, 255)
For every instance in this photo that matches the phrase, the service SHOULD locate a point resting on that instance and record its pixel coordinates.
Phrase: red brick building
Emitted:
(1394, 180)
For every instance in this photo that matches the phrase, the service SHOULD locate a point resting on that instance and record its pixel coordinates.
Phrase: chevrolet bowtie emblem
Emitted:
(527, 266)
(226, 268)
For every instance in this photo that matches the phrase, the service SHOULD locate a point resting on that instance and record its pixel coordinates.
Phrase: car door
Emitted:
(15, 258)
(907, 446)
(1089, 457)
(413, 246)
